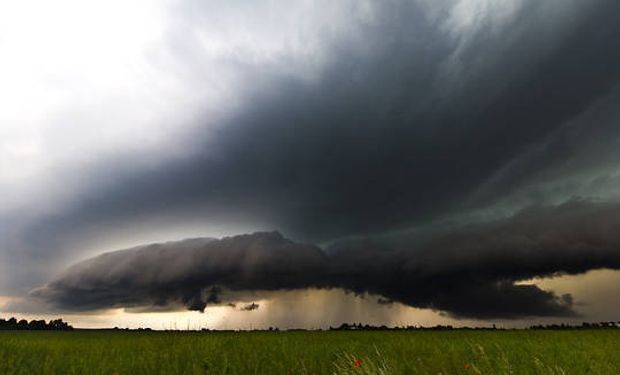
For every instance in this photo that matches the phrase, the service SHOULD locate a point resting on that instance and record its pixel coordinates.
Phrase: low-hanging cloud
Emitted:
(472, 272)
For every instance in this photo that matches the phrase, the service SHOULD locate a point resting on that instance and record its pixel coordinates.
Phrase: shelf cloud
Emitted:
(472, 272)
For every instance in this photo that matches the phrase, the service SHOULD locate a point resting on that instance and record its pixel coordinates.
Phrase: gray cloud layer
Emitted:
(404, 123)
(469, 272)
(370, 148)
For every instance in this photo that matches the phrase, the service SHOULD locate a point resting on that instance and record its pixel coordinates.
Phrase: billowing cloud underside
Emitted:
(470, 272)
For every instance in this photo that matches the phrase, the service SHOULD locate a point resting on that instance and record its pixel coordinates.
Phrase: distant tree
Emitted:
(37, 325)
(34, 325)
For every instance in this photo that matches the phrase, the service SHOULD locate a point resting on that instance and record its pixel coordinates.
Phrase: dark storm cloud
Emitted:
(191, 272)
(470, 272)
(382, 139)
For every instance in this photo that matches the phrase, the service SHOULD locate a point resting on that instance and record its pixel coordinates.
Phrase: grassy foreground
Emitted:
(371, 352)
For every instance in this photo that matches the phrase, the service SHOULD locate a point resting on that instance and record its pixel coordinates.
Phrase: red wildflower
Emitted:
(467, 366)
(357, 363)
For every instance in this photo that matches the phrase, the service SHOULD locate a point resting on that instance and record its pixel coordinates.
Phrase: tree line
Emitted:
(34, 325)
(366, 327)
(60, 325)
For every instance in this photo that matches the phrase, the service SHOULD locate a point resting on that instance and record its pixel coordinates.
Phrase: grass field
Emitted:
(338, 352)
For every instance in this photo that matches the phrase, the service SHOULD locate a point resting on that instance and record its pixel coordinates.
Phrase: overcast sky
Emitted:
(435, 156)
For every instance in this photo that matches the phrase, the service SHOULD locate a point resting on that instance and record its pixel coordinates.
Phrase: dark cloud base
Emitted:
(470, 272)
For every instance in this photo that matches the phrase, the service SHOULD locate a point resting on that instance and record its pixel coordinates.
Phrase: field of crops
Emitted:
(336, 352)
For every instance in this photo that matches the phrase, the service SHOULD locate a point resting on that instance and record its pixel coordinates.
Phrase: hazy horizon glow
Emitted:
(289, 310)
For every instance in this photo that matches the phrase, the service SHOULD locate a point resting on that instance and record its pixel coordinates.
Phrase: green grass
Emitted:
(388, 352)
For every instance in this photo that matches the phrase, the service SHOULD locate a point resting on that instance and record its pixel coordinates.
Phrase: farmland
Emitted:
(331, 352)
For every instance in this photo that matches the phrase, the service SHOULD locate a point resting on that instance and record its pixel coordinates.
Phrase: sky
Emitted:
(184, 163)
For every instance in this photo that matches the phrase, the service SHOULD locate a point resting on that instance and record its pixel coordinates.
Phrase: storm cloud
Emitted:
(376, 143)
(431, 151)
(472, 272)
